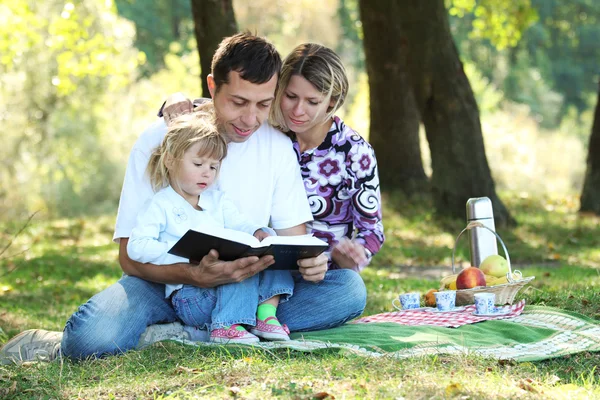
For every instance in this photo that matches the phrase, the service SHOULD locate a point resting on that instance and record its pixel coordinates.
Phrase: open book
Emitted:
(232, 245)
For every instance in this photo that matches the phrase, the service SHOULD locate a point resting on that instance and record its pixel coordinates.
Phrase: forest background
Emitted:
(81, 80)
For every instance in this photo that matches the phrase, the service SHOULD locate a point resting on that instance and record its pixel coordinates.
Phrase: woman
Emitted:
(338, 166)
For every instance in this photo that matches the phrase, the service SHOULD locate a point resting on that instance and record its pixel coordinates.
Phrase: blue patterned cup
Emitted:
(445, 300)
(484, 303)
(407, 301)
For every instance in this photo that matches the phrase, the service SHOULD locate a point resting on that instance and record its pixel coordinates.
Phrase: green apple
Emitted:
(494, 265)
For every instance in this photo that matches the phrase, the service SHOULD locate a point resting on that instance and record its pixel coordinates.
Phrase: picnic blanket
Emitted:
(432, 317)
(537, 333)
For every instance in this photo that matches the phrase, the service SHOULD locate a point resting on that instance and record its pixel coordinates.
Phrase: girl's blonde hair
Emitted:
(185, 131)
(322, 68)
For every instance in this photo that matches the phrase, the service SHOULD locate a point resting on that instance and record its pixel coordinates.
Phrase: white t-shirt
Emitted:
(168, 216)
(260, 175)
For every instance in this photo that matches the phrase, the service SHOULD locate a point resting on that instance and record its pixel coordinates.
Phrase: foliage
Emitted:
(500, 21)
(287, 23)
(52, 95)
(550, 61)
(71, 259)
(159, 25)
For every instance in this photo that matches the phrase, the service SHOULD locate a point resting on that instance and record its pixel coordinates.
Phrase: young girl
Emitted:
(338, 166)
(182, 170)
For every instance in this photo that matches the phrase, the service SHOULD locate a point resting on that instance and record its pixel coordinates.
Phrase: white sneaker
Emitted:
(159, 332)
(31, 345)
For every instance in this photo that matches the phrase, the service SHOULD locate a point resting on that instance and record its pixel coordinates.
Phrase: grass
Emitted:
(54, 266)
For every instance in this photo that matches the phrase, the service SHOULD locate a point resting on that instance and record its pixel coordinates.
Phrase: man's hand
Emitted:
(349, 254)
(176, 105)
(213, 272)
(313, 269)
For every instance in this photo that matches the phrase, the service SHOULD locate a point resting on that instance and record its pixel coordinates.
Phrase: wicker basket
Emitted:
(505, 293)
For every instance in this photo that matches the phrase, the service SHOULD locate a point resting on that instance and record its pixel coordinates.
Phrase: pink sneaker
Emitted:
(270, 332)
(232, 335)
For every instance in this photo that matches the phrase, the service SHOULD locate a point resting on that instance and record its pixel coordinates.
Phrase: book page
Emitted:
(300, 240)
(230, 234)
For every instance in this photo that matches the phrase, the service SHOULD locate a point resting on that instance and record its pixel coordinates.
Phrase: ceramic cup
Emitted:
(484, 303)
(445, 300)
(407, 301)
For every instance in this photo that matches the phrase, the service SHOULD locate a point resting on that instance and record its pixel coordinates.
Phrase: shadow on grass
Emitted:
(548, 231)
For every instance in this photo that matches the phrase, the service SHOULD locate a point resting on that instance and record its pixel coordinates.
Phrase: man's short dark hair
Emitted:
(253, 57)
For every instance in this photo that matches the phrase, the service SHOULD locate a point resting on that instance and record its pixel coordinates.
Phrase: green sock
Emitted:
(237, 328)
(265, 311)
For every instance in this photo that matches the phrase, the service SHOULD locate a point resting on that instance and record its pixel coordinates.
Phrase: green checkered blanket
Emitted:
(538, 333)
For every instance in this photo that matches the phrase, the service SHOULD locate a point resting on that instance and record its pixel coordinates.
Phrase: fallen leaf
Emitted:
(181, 370)
(323, 395)
(4, 392)
(585, 302)
(453, 389)
(529, 385)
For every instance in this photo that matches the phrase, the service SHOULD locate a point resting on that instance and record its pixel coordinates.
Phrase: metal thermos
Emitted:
(483, 242)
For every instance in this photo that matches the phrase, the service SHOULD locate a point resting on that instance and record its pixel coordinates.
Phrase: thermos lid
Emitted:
(479, 208)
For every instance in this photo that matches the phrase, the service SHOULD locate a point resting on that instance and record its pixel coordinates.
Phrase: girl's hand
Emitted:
(260, 234)
(349, 254)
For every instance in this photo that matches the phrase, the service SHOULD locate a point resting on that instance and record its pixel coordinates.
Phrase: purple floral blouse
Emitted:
(342, 184)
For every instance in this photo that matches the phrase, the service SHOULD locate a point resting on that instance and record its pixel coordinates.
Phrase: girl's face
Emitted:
(193, 174)
(303, 106)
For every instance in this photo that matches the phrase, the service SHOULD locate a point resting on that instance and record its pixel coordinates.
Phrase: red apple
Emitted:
(469, 278)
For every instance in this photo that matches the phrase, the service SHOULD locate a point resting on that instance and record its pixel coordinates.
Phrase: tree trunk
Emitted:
(448, 109)
(394, 132)
(213, 21)
(590, 195)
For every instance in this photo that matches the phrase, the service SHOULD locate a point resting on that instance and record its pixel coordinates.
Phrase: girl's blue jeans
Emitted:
(113, 320)
(234, 303)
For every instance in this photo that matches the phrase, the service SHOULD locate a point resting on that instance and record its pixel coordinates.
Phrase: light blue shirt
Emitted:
(168, 216)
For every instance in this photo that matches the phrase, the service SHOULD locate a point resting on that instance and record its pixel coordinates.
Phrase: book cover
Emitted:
(231, 245)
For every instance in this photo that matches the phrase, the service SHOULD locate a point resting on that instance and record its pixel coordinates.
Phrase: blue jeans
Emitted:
(113, 320)
(234, 303)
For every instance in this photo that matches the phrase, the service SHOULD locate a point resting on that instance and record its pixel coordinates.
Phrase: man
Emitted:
(262, 175)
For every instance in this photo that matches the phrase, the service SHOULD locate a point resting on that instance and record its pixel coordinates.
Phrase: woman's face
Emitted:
(302, 105)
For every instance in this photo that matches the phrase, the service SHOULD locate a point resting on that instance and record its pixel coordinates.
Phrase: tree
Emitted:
(158, 24)
(213, 20)
(444, 101)
(590, 195)
(394, 131)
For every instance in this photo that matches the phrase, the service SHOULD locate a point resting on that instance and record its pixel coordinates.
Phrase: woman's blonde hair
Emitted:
(322, 68)
(183, 132)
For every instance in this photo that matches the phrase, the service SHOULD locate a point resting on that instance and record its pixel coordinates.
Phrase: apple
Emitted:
(494, 265)
(469, 278)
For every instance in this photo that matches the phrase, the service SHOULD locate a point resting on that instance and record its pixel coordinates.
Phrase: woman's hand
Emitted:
(349, 254)
(313, 269)
(175, 105)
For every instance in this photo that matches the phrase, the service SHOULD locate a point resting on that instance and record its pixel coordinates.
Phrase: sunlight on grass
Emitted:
(96, 283)
(68, 261)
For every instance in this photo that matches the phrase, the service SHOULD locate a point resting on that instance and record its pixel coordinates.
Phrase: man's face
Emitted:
(242, 106)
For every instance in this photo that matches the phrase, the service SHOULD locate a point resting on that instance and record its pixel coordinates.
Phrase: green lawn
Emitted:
(53, 267)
